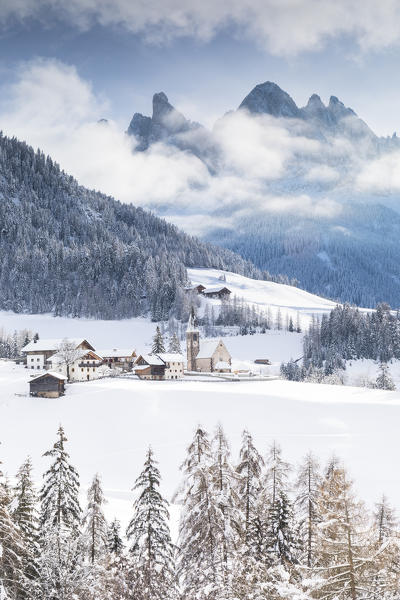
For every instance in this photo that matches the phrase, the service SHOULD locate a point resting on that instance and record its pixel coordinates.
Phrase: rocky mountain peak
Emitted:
(269, 98)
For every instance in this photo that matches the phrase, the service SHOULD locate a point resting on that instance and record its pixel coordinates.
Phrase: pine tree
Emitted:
(174, 345)
(307, 492)
(158, 342)
(384, 381)
(26, 517)
(61, 553)
(151, 553)
(249, 470)
(199, 562)
(115, 543)
(94, 522)
(13, 582)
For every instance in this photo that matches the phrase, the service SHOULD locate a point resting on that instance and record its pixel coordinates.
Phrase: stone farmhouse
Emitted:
(210, 356)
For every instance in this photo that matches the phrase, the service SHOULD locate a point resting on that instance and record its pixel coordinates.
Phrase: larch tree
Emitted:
(68, 353)
(307, 488)
(94, 522)
(174, 345)
(152, 574)
(342, 545)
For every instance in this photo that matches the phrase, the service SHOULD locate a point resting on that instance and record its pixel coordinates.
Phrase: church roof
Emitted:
(208, 347)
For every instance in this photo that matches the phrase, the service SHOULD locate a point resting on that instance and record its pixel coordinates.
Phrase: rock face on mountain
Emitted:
(269, 98)
(166, 124)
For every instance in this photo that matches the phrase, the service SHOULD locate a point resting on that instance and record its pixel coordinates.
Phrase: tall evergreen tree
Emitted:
(151, 552)
(307, 492)
(25, 515)
(174, 345)
(61, 552)
(94, 522)
(115, 543)
(158, 346)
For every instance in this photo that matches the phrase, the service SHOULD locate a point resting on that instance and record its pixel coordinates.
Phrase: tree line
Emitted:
(251, 529)
(346, 334)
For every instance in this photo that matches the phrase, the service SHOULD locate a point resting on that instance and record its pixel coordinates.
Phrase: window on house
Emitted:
(32, 359)
(73, 370)
(82, 369)
(38, 359)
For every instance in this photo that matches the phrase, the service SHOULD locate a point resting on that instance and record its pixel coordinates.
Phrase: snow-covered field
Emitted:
(266, 294)
(111, 422)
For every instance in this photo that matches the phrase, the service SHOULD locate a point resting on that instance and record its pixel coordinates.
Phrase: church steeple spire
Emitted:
(192, 342)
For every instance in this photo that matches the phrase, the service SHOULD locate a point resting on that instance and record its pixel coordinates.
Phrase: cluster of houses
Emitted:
(73, 360)
(219, 292)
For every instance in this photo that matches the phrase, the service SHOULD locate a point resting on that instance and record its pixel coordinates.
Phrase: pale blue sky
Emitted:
(207, 78)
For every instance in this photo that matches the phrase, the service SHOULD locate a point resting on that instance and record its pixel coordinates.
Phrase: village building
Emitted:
(217, 292)
(48, 385)
(198, 289)
(118, 358)
(84, 366)
(211, 356)
(159, 366)
(38, 352)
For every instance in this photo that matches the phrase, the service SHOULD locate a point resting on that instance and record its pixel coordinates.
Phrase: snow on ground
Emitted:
(111, 422)
(264, 294)
(362, 372)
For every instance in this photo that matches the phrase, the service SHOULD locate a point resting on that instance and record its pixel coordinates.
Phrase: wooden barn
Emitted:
(48, 385)
(217, 292)
(149, 366)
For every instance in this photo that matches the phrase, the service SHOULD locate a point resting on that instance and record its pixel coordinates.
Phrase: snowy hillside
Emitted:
(110, 424)
(265, 294)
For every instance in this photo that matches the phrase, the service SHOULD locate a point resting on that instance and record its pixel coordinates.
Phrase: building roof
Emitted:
(207, 348)
(49, 344)
(50, 373)
(171, 357)
(152, 359)
(215, 290)
(141, 367)
(116, 352)
(57, 358)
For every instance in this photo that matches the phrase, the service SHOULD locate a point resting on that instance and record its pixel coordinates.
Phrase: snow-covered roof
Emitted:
(53, 374)
(214, 290)
(140, 367)
(58, 357)
(171, 357)
(116, 352)
(152, 359)
(221, 364)
(43, 345)
(207, 348)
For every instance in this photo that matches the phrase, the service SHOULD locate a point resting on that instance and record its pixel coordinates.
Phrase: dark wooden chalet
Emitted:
(48, 385)
(149, 366)
(217, 292)
(198, 289)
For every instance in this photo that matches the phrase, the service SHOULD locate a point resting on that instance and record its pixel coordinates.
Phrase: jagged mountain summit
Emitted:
(165, 124)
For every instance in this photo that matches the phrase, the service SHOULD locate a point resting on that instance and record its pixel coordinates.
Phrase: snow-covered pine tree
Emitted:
(115, 543)
(94, 523)
(342, 546)
(61, 552)
(199, 563)
(158, 346)
(25, 515)
(152, 574)
(224, 479)
(307, 491)
(174, 345)
(13, 583)
(249, 469)
(384, 380)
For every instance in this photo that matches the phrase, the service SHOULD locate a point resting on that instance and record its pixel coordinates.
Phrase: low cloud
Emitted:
(261, 166)
(283, 27)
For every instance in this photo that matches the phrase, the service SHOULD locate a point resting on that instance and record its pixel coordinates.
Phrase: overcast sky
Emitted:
(207, 56)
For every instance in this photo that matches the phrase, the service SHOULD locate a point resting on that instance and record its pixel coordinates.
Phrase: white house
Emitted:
(38, 352)
(120, 358)
(159, 366)
(84, 365)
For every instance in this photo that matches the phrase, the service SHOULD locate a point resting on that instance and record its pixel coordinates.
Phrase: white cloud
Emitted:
(381, 175)
(284, 27)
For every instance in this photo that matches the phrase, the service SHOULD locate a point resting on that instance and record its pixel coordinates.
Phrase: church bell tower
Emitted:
(192, 342)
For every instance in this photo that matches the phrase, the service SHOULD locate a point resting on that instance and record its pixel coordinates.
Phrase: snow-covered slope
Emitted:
(265, 294)
(110, 424)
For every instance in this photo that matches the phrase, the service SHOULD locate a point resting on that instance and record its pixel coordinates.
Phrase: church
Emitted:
(211, 356)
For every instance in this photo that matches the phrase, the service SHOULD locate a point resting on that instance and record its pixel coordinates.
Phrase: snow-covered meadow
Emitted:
(111, 422)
